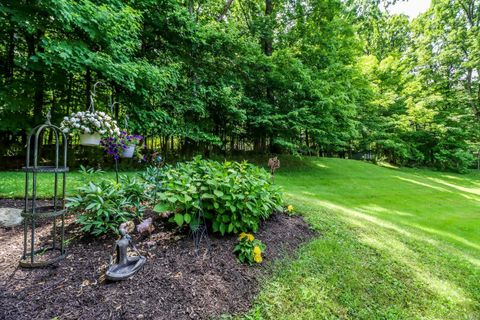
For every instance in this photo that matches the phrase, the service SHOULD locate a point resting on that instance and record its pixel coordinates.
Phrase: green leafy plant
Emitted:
(88, 173)
(153, 177)
(249, 249)
(232, 196)
(103, 206)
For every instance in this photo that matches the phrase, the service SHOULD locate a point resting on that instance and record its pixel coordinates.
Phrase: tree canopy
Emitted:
(323, 77)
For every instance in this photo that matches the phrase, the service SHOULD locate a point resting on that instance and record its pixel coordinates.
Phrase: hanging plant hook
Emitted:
(111, 107)
(93, 95)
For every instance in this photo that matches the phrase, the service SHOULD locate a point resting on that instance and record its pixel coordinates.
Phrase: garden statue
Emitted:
(125, 266)
(274, 164)
(146, 226)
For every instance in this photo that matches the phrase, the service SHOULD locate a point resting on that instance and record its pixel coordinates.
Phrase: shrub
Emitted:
(249, 249)
(103, 206)
(232, 196)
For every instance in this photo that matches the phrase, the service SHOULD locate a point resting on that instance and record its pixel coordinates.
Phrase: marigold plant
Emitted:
(249, 249)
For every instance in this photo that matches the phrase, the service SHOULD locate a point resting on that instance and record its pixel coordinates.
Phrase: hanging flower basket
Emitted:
(90, 126)
(90, 139)
(122, 145)
(128, 152)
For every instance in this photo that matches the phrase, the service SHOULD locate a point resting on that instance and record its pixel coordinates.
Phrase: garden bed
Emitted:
(176, 282)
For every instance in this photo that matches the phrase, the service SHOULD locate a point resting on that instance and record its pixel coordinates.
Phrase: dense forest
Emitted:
(319, 77)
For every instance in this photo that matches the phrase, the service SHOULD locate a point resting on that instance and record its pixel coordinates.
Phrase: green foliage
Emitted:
(326, 77)
(102, 206)
(232, 196)
(420, 107)
(248, 249)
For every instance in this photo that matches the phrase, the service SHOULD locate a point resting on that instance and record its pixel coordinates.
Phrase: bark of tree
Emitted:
(226, 7)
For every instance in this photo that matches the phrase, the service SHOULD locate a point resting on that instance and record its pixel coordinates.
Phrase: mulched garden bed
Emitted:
(175, 283)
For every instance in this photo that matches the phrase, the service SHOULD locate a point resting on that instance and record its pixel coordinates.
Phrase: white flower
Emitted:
(87, 130)
(65, 118)
(76, 125)
(107, 125)
(65, 130)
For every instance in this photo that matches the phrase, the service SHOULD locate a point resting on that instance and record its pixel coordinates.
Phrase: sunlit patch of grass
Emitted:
(393, 244)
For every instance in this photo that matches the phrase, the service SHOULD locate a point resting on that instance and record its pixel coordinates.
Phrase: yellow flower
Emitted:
(257, 258)
(249, 236)
(257, 251)
(290, 208)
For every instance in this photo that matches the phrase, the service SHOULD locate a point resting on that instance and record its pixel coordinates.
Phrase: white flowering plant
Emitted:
(90, 122)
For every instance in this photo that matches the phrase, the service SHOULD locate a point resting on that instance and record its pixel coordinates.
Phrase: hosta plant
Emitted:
(231, 196)
(102, 207)
(249, 249)
(90, 122)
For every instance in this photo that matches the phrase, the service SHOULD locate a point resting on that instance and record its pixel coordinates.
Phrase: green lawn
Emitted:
(394, 244)
(12, 184)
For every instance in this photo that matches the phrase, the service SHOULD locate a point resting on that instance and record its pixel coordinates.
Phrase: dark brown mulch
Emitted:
(175, 283)
(18, 203)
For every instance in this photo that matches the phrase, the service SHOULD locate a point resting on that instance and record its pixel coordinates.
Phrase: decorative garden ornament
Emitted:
(33, 255)
(273, 164)
(124, 266)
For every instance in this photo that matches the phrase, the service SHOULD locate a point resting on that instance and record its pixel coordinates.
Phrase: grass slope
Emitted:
(394, 244)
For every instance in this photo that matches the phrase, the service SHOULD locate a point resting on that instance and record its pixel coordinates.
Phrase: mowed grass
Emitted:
(393, 244)
(12, 184)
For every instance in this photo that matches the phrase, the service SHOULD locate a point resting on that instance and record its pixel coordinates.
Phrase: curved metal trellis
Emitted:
(32, 212)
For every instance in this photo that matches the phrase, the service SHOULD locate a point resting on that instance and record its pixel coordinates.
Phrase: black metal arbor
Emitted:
(32, 213)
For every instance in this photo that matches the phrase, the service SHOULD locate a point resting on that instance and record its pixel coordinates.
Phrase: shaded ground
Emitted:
(175, 283)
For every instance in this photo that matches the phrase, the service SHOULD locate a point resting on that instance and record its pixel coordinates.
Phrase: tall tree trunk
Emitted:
(268, 34)
(226, 7)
